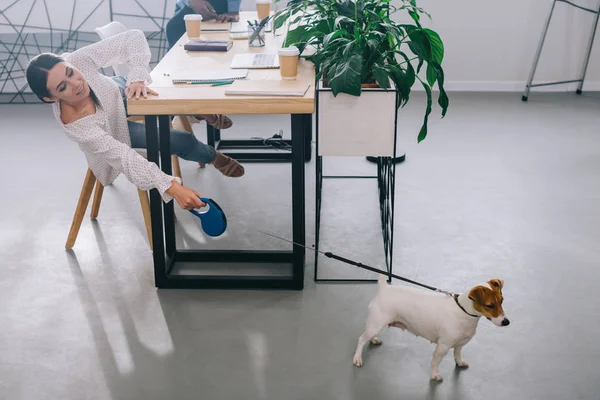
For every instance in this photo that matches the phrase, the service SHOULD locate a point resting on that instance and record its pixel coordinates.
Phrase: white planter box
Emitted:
(357, 125)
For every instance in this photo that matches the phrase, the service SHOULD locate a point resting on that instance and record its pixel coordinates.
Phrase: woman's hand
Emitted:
(228, 17)
(138, 88)
(187, 198)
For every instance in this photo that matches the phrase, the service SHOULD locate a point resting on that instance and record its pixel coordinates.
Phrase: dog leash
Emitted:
(367, 267)
(333, 256)
(346, 260)
(214, 223)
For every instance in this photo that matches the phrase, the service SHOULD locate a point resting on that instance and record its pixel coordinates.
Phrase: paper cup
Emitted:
(263, 8)
(192, 25)
(288, 62)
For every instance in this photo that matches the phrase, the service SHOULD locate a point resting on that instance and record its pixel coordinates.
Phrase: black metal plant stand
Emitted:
(386, 181)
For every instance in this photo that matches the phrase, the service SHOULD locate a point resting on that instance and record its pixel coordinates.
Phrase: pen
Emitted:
(222, 83)
(193, 83)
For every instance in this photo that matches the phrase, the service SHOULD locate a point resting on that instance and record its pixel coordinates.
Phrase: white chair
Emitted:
(110, 30)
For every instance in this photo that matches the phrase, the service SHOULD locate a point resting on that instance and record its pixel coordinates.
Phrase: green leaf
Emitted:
(381, 76)
(350, 49)
(346, 78)
(420, 45)
(423, 131)
(341, 19)
(295, 35)
(443, 100)
(431, 74)
(347, 8)
(279, 19)
(322, 27)
(333, 35)
(404, 79)
(415, 17)
(437, 47)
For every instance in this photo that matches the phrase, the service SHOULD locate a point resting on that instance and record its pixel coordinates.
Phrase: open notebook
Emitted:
(268, 88)
(214, 26)
(208, 75)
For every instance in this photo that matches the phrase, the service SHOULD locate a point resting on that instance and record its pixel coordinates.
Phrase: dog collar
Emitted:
(462, 308)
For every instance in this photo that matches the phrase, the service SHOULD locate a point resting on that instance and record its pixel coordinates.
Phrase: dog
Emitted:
(448, 321)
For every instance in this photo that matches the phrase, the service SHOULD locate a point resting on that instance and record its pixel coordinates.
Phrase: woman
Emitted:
(91, 108)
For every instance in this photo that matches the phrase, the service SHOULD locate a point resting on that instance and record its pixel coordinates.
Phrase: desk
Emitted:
(190, 101)
(195, 99)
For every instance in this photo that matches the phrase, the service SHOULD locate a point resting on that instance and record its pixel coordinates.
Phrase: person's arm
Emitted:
(129, 48)
(142, 173)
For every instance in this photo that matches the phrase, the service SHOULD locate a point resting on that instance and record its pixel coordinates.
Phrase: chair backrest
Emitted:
(109, 30)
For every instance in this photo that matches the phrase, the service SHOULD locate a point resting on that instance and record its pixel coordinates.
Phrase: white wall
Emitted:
(489, 44)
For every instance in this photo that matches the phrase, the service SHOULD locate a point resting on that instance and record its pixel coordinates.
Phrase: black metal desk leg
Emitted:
(158, 249)
(213, 135)
(298, 197)
(308, 119)
(165, 162)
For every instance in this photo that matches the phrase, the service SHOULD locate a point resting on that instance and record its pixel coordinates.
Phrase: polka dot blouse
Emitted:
(104, 136)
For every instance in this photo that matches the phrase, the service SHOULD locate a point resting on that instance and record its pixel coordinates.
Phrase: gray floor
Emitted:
(500, 189)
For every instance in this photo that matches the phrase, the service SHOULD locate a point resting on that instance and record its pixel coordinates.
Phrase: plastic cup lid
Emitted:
(263, 1)
(289, 51)
(193, 17)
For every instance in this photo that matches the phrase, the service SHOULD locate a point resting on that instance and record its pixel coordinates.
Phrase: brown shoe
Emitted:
(218, 121)
(228, 166)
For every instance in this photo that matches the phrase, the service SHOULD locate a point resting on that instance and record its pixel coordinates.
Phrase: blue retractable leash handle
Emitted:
(213, 221)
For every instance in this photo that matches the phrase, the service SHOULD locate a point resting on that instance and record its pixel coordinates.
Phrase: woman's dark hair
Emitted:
(37, 75)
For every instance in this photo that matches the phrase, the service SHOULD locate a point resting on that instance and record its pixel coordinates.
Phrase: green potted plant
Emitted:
(355, 46)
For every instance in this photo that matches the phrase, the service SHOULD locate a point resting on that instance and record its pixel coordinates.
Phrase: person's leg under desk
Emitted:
(183, 144)
(186, 146)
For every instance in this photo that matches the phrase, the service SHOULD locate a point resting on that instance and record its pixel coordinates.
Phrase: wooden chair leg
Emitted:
(84, 199)
(145, 202)
(176, 167)
(97, 199)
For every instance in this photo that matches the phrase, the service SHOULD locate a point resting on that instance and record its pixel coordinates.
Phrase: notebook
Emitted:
(238, 30)
(208, 45)
(255, 61)
(214, 26)
(208, 75)
(239, 26)
(238, 35)
(267, 88)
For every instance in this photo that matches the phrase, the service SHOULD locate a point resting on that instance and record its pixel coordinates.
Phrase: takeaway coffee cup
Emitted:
(192, 25)
(288, 62)
(263, 8)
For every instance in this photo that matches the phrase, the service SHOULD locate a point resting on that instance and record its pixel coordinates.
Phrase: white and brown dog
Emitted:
(448, 321)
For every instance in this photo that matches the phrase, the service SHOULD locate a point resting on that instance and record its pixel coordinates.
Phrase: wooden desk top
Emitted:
(206, 99)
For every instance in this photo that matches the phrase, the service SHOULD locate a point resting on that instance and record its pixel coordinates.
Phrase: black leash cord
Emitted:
(388, 274)
(347, 261)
